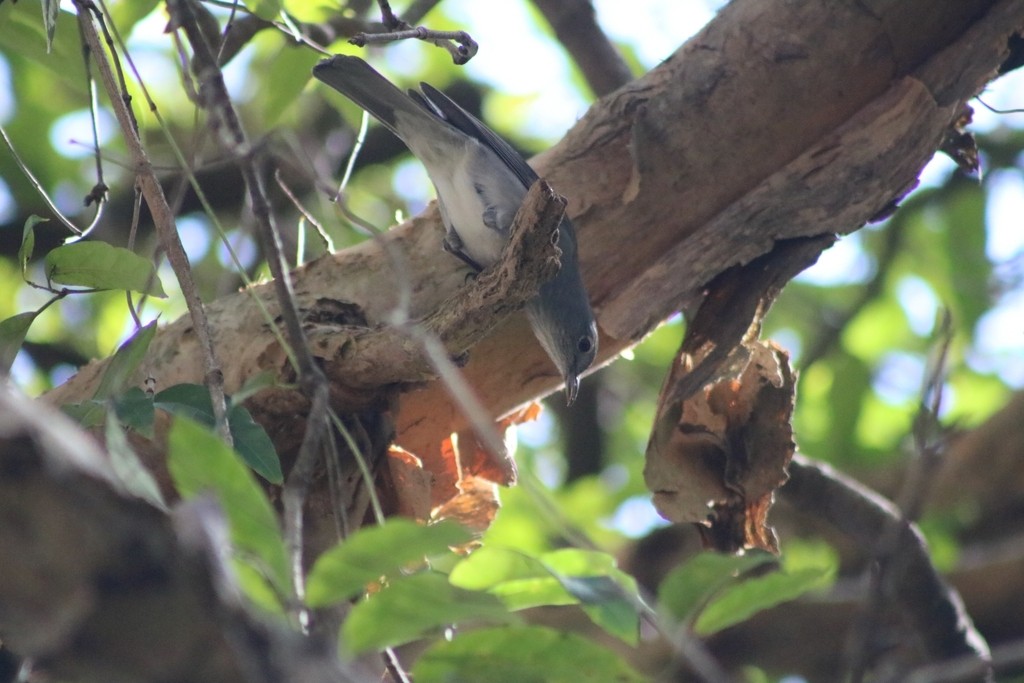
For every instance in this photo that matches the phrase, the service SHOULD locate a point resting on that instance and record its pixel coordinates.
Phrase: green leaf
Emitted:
(187, 400)
(411, 607)
(88, 414)
(521, 654)
(126, 466)
(747, 598)
(125, 362)
(253, 444)
(134, 410)
(12, 336)
(253, 385)
(846, 401)
(28, 242)
(491, 566)
(198, 462)
(256, 587)
(265, 9)
(127, 14)
(520, 581)
(961, 236)
(608, 605)
(607, 594)
(280, 68)
(562, 577)
(692, 584)
(51, 9)
(373, 552)
(250, 439)
(25, 36)
(102, 266)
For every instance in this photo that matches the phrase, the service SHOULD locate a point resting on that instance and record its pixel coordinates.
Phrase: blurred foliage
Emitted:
(860, 326)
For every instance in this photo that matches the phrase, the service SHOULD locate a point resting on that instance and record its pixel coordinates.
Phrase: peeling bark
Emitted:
(779, 120)
(776, 121)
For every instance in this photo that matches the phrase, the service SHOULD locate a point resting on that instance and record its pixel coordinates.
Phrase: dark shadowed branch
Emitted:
(163, 217)
(575, 25)
(912, 581)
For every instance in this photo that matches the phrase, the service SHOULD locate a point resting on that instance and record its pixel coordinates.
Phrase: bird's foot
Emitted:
(454, 247)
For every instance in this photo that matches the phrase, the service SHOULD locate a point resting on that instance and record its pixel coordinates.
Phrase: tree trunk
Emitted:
(778, 120)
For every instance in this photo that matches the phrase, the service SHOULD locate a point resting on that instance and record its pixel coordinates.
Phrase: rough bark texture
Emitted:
(778, 120)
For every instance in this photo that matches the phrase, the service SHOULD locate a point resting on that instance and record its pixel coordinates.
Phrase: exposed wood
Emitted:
(778, 120)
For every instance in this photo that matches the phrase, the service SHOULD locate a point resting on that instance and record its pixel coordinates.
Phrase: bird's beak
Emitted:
(572, 387)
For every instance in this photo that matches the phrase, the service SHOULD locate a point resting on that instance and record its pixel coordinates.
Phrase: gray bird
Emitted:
(480, 182)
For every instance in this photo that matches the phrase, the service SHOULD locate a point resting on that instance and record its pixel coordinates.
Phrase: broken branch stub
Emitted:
(715, 458)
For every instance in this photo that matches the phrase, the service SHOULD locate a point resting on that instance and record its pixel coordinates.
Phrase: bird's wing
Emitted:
(475, 128)
(365, 86)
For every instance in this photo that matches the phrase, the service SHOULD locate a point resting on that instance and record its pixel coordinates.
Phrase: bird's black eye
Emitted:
(584, 345)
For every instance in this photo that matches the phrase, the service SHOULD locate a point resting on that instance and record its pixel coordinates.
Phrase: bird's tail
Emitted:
(364, 85)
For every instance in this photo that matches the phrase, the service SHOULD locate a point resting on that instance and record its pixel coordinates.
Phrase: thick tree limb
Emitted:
(368, 358)
(911, 580)
(776, 121)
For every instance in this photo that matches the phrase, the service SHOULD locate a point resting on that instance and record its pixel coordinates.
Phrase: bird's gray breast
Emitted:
(480, 195)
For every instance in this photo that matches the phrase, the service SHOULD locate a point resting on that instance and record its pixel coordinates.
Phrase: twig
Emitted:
(189, 179)
(998, 111)
(929, 439)
(832, 326)
(37, 185)
(98, 194)
(298, 482)
(887, 548)
(229, 25)
(1006, 659)
(913, 582)
(243, 29)
(388, 16)
(215, 98)
(576, 27)
(365, 467)
(394, 666)
(459, 44)
(163, 218)
(132, 232)
(324, 237)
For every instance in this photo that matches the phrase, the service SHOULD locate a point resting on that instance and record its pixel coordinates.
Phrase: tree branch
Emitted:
(575, 25)
(312, 381)
(459, 44)
(163, 218)
(671, 180)
(912, 582)
(386, 355)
